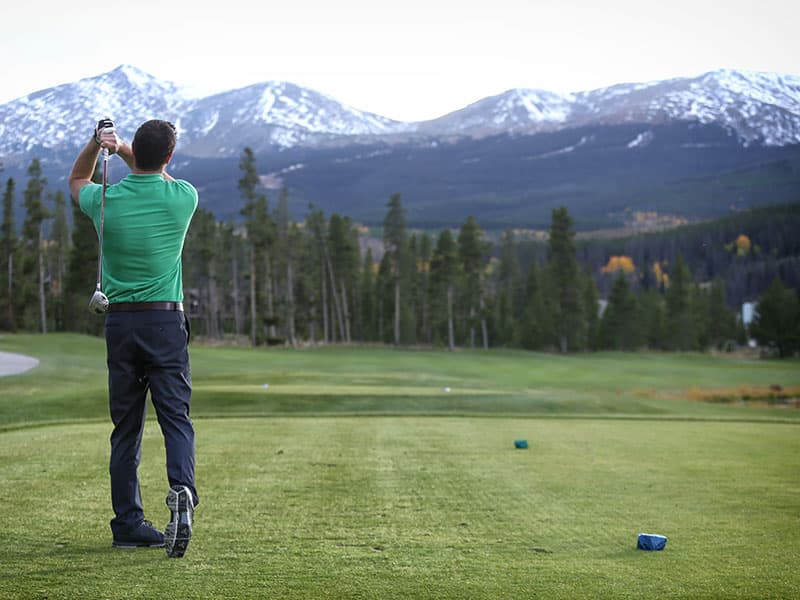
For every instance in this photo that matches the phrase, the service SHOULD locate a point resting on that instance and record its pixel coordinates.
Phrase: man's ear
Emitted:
(169, 158)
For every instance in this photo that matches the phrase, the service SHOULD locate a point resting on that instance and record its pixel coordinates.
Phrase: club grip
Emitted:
(105, 124)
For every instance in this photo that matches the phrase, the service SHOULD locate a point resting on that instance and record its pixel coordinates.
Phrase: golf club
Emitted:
(98, 304)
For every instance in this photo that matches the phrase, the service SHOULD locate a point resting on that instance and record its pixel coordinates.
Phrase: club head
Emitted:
(98, 304)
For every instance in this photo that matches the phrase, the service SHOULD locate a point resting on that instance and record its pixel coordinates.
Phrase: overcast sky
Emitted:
(404, 59)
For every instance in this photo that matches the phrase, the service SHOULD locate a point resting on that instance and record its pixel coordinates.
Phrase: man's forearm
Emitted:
(83, 167)
(125, 152)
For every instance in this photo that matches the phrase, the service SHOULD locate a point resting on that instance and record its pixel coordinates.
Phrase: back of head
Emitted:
(153, 143)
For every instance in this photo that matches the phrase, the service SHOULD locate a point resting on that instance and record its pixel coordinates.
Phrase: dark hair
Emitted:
(153, 143)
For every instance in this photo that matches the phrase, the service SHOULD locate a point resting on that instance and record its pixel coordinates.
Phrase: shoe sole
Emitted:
(131, 546)
(178, 531)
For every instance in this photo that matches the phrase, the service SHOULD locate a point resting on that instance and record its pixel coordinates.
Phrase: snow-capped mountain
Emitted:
(271, 114)
(758, 108)
(515, 110)
(63, 115)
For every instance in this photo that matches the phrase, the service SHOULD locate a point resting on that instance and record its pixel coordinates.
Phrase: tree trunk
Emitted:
(290, 304)
(253, 311)
(268, 288)
(325, 324)
(42, 309)
(451, 345)
(347, 337)
(397, 312)
(237, 321)
(61, 269)
(11, 324)
(380, 317)
(213, 303)
(472, 328)
(484, 330)
(426, 324)
(337, 307)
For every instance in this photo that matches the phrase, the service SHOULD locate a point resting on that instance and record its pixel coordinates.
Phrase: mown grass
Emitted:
(355, 475)
(418, 507)
(70, 383)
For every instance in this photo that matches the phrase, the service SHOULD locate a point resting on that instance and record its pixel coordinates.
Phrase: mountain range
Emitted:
(692, 146)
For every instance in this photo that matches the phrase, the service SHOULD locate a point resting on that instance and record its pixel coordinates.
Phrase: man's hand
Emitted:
(83, 168)
(108, 138)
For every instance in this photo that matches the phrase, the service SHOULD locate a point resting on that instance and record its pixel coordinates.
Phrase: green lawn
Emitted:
(355, 475)
(70, 383)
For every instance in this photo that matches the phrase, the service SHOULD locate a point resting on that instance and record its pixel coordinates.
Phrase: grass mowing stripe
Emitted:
(71, 382)
(419, 507)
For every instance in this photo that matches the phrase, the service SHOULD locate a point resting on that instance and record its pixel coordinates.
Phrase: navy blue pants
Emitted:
(147, 350)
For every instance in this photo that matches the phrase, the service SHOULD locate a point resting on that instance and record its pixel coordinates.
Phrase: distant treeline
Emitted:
(271, 280)
(747, 249)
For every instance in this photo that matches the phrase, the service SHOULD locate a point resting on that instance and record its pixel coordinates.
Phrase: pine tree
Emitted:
(445, 273)
(425, 256)
(58, 253)
(285, 267)
(538, 329)
(33, 269)
(8, 239)
(509, 292)
(368, 315)
(701, 317)
(590, 309)
(219, 278)
(395, 243)
(343, 247)
(385, 286)
(721, 321)
(81, 276)
(777, 321)
(568, 318)
(411, 287)
(471, 254)
(233, 248)
(681, 329)
(618, 326)
(199, 258)
(332, 316)
(260, 236)
(652, 319)
(308, 295)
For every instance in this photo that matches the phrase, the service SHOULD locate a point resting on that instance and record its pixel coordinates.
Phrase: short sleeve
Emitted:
(190, 193)
(89, 200)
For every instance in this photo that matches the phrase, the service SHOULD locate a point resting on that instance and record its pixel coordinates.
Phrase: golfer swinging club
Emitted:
(146, 216)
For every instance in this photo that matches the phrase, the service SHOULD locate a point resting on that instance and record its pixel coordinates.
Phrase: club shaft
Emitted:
(102, 219)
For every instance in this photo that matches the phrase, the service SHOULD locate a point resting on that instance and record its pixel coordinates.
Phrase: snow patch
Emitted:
(267, 102)
(643, 139)
(135, 76)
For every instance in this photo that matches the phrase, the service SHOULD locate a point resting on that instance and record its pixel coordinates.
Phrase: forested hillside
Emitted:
(269, 278)
(747, 250)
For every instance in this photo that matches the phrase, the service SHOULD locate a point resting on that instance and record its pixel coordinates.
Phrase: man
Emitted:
(147, 215)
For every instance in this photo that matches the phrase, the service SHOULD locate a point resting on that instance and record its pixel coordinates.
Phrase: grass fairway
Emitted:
(410, 507)
(354, 475)
(70, 383)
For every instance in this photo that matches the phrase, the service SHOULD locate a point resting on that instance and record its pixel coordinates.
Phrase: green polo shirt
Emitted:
(146, 220)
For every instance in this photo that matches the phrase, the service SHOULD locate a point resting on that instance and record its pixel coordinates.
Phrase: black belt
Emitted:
(138, 306)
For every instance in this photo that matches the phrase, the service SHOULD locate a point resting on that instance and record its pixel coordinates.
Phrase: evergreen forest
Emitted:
(265, 279)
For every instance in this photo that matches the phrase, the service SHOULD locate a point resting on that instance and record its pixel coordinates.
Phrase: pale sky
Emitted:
(404, 59)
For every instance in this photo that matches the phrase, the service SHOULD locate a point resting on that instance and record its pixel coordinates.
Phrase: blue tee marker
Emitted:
(651, 541)
(521, 444)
